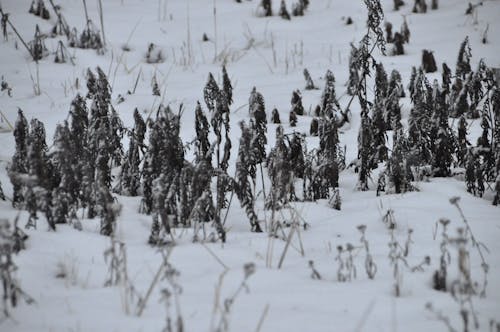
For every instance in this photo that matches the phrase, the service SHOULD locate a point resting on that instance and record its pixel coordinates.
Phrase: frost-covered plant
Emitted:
(463, 288)
(12, 292)
(4, 86)
(428, 61)
(463, 62)
(226, 306)
(389, 219)
(352, 83)
(37, 46)
(283, 12)
(329, 103)
(280, 172)
(246, 169)
(38, 8)
(309, 81)
(396, 257)
(266, 7)
(292, 119)
(275, 116)
(467, 234)
(90, 37)
(420, 6)
(154, 54)
(172, 292)
(296, 102)
(370, 266)
(314, 273)
(62, 54)
(346, 270)
(439, 278)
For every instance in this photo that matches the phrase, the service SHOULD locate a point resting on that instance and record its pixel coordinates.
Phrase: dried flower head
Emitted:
(444, 221)
(454, 200)
(249, 269)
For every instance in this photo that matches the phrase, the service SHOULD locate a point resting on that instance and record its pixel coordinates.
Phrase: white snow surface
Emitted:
(317, 41)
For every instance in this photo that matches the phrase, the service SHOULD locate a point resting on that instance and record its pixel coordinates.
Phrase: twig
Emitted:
(289, 239)
(262, 317)
(17, 33)
(137, 80)
(214, 256)
(101, 18)
(142, 303)
(365, 315)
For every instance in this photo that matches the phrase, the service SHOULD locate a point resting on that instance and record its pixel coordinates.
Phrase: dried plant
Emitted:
(396, 257)
(12, 291)
(226, 307)
(314, 273)
(475, 243)
(370, 266)
(439, 278)
(346, 270)
(174, 322)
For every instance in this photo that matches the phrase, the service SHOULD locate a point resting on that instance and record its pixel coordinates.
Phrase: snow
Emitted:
(248, 43)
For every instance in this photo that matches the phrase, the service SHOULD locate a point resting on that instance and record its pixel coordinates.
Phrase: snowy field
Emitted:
(65, 271)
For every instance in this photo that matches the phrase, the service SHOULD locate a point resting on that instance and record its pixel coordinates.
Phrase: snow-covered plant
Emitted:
(38, 8)
(297, 152)
(314, 127)
(130, 176)
(65, 195)
(389, 219)
(292, 119)
(19, 163)
(62, 54)
(154, 54)
(442, 137)
(266, 8)
(225, 308)
(352, 83)
(296, 102)
(461, 142)
(275, 115)
(462, 289)
(379, 127)
(370, 266)
(428, 61)
(329, 103)
(4, 86)
(12, 292)
(227, 86)
(309, 81)
(397, 4)
(467, 234)
(346, 270)
(420, 6)
(463, 61)
(314, 273)
(171, 292)
(37, 46)
(154, 86)
(246, 170)
(283, 12)
(440, 275)
(397, 258)
(2, 195)
(280, 172)
(41, 172)
(90, 38)
(365, 152)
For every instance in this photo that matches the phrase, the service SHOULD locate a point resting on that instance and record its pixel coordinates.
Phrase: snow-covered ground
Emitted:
(268, 53)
